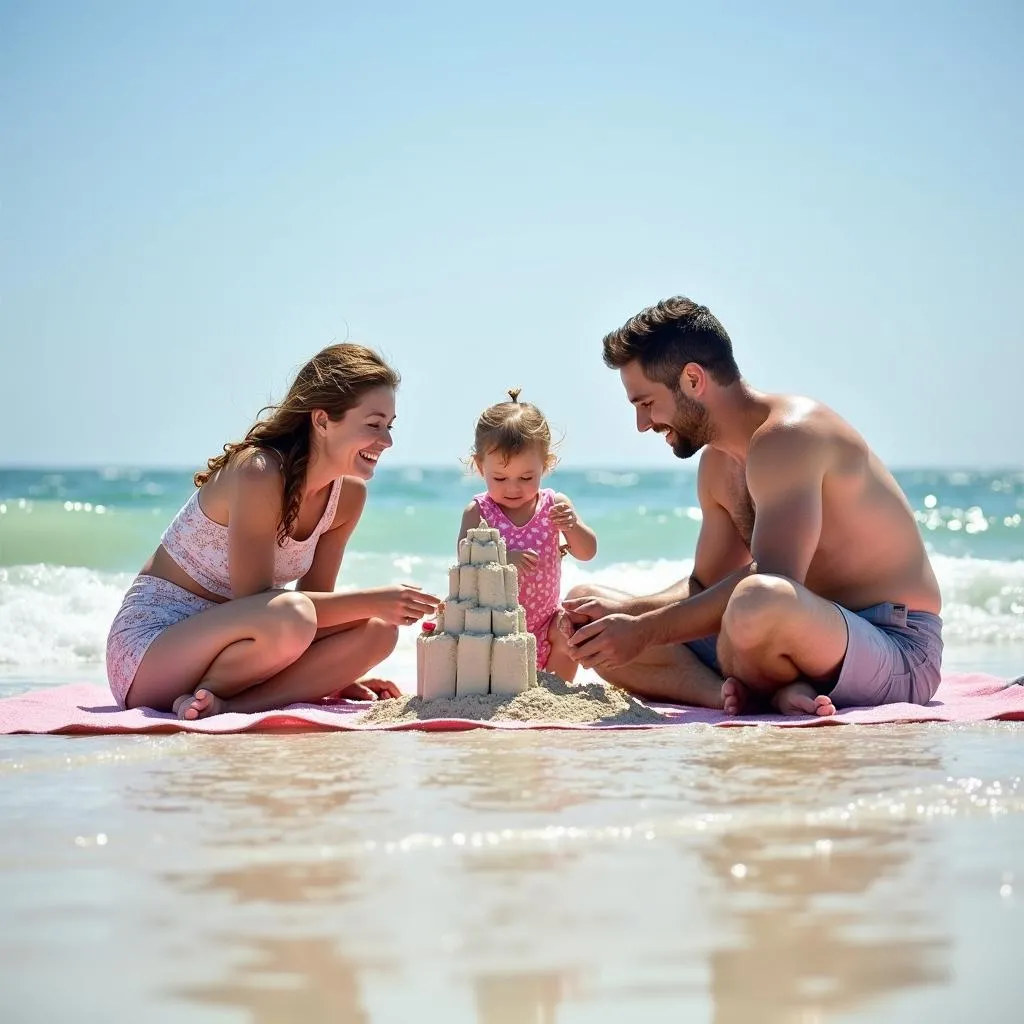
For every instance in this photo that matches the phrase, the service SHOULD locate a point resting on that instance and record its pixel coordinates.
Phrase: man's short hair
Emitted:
(665, 337)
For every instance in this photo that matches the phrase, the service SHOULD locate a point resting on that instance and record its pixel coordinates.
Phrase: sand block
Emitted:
(437, 664)
(468, 583)
(504, 622)
(453, 583)
(481, 554)
(478, 620)
(439, 618)
(510, 669)
(465, 549)
(483, 534)
(491, 585)
(473, 666)
(511, 585)
(521, 618)
(455, 616)
(531, 643)
(502, 551)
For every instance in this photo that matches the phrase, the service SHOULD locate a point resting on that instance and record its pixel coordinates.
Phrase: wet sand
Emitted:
(741, 875)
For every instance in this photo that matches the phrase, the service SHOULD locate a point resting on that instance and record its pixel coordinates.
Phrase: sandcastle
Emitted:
(479, 644)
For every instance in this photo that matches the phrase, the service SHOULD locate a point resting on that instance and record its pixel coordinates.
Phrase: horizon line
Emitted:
(683, 465)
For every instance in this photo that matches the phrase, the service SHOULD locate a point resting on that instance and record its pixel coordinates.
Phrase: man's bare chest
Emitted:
(738, 503)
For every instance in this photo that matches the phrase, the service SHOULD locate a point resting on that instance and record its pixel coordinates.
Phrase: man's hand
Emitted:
(608, 642)
(524, 561)
(582, 610)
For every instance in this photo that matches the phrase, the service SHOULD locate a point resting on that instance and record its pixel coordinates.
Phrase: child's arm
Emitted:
(580, 539)
(470, 520)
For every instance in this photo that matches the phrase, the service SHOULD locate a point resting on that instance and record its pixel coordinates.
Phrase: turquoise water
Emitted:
(71, 539)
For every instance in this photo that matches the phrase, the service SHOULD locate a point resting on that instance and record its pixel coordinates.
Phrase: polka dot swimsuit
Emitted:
(538, 590)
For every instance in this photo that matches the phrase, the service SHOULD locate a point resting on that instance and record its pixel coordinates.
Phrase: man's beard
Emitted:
(691, 425)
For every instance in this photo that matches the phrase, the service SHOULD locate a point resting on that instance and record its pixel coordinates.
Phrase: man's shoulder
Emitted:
(801, 432)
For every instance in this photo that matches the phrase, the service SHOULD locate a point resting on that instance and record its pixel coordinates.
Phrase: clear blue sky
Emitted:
(197, 196)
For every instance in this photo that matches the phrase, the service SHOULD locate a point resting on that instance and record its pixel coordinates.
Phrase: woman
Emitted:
(206, 627)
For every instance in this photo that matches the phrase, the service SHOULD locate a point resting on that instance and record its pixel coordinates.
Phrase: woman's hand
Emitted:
(368, 689)
(402, 605)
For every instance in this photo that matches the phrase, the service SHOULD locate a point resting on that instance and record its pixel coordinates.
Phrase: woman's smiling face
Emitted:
(353, 444)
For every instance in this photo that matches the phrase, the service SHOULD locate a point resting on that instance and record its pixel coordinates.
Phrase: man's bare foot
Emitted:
(735, 697)
(200, 704)
(801, 699)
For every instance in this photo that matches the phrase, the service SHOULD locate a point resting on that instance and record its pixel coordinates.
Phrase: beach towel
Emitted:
(85, 708)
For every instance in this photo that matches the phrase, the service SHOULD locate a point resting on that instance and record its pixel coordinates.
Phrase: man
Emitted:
(811, 587)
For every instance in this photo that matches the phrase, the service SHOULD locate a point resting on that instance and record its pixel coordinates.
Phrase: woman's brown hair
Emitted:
(334, 380)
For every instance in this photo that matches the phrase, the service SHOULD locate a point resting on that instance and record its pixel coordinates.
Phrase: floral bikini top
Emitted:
(200, 546)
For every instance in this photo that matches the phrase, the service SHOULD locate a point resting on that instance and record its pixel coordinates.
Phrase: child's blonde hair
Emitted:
(511, 427)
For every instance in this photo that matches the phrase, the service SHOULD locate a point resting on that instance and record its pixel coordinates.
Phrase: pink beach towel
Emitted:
(85, 708)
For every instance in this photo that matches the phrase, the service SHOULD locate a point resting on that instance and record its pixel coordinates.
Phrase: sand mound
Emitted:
(552, 700)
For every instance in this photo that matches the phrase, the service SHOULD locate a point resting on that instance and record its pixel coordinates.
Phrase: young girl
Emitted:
(206, 627)
(512, 451)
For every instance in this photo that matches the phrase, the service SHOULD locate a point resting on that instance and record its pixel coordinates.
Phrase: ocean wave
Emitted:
(59, 616)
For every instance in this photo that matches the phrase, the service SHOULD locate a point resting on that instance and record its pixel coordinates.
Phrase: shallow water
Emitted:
(840, 874)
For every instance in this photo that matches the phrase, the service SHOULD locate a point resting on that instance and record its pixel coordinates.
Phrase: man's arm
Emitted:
(720, 553)
(785, 480)
(677, 613)
(785, 470)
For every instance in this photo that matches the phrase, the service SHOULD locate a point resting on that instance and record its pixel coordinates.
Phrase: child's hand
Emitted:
(565, 625)
(564, 516)
(524, 561)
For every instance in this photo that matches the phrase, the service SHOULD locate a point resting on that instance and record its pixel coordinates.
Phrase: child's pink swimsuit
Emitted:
(538, 590)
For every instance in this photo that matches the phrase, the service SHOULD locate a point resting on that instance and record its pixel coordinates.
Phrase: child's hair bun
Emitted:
(514, 393)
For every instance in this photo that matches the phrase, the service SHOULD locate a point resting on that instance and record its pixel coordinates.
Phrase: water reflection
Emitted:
(286, 980)
(518, 998)
(755, 875)
(823, 916)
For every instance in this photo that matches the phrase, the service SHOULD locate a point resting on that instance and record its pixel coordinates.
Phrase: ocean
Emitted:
(838, 874)
(71, 540)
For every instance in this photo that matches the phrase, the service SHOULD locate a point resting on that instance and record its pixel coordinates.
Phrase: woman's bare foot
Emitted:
(735, 697)
(180, 702)
(200, 704)
(801, 699)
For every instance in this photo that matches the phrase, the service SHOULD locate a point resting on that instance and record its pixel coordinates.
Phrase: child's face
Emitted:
(516, 482)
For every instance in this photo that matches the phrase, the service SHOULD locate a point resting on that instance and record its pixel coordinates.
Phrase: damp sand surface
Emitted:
(863, 875)
(551, 700)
